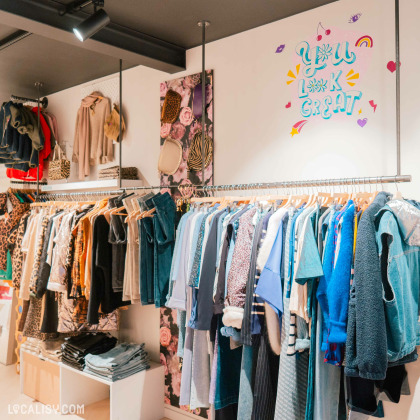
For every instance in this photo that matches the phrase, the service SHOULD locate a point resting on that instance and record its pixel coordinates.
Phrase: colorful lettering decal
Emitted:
(325, 67)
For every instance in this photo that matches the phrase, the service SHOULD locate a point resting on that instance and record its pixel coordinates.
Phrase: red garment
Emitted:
(31, 175)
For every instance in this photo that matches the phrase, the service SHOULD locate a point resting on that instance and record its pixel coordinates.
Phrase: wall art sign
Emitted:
(326, 77)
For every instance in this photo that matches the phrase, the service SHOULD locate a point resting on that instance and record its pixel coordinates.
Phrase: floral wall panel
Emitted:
(183, 131)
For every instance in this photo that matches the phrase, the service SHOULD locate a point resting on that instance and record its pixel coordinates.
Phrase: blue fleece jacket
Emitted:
(338, 291)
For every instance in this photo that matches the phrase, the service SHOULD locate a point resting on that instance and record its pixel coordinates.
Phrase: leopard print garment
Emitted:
(76, 290)
(33, 321)
(11, 240)
(17, 255)
(7, 224)
(37, 261)
(3, 202)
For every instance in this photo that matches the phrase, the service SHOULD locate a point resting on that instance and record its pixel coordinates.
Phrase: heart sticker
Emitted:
(288, 105)
(363, 122)
(392, 66)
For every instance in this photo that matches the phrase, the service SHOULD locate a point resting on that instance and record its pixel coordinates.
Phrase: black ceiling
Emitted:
(154, 33)
(175, 21)
(59, 66)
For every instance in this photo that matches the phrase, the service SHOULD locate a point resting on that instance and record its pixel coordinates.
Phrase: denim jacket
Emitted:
(398, 240)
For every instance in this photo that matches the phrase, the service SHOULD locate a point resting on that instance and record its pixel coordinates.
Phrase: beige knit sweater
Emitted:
(91, 146)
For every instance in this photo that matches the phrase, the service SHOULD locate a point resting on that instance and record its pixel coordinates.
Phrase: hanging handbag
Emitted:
(112, 125)
(197, 105)
(59, 167)
(171, 107)
(195, 158)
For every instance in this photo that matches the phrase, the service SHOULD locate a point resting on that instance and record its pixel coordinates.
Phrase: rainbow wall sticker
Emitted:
(364, 41)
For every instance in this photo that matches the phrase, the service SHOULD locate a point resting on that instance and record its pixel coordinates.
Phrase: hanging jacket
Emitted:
(18, 171)
(91, 146)
(366, 348)
(398, 240)
(339, 287)
(327, 267)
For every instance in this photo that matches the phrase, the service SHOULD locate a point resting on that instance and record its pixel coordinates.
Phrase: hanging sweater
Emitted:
(91, 146)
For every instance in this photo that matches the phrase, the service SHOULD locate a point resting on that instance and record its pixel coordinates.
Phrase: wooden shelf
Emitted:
(100, 184)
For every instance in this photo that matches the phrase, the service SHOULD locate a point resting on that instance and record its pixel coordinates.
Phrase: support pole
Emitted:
(120, 134)
(398, 83)
(203, 24)
(38, 85)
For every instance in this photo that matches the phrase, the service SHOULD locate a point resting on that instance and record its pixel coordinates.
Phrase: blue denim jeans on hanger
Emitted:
(228, 371)
(246, 396)
(164, 242)
(146, 260)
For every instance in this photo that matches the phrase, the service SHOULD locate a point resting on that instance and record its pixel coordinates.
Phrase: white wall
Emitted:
(252, 126)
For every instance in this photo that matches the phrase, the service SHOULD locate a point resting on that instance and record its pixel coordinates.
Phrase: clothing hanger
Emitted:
(323, 198)
(147, 213)
(117, 211)
(133, 215)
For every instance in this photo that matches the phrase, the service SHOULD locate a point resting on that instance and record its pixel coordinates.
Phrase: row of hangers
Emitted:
(136, 214)
(361, 199)
(99, 207)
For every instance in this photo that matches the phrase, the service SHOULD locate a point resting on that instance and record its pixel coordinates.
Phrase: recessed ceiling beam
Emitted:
(42, 18)
(13, 38)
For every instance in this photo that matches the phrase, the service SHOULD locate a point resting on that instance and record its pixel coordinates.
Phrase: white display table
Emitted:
(138, 397)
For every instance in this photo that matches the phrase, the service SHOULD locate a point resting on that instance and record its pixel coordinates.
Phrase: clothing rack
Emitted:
(43, 102)
(252, 186)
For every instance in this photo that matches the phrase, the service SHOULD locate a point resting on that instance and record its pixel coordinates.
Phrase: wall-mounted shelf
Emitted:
(100, 184)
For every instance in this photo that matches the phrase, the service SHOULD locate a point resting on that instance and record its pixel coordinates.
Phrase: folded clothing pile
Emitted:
(122, 361)
(31, 345)
(114, 171)
(49, 349)
(75, 349)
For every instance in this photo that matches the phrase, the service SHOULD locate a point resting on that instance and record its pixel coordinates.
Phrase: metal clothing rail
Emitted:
(310, 183)
(288, 184)
(252, 186)
(43, 101)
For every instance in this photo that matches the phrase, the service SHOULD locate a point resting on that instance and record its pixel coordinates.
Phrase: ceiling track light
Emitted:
(93, 23)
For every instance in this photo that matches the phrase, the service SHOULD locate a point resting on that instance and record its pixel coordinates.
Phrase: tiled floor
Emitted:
(10, 397)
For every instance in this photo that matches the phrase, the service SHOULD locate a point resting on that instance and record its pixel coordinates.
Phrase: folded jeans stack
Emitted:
(113, 173)
(75, 349)
(122, 361)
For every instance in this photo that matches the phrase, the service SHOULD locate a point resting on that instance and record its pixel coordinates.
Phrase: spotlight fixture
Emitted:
(91, 25)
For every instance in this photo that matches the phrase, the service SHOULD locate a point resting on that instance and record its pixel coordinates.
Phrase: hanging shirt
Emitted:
(269, 287)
